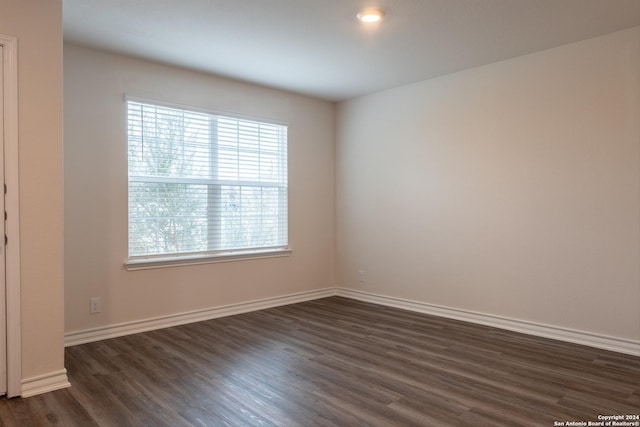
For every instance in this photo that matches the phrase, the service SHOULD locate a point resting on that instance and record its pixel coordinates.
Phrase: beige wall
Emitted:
(38, 26)
(95, 159)
(512, 189)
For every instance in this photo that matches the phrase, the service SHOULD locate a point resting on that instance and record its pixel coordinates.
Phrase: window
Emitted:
(203, 184)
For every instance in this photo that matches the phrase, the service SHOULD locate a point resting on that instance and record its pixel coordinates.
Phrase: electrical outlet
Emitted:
(361, 276)
(94, 305)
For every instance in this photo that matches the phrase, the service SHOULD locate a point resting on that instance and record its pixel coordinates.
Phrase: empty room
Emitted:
(330, 212)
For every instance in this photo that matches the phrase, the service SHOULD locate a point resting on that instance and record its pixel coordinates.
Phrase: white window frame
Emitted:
(213, 256)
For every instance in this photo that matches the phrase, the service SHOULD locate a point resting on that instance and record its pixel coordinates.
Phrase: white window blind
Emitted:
(204, 184)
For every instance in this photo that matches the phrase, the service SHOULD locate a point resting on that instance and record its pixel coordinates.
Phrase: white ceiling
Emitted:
(318, 48)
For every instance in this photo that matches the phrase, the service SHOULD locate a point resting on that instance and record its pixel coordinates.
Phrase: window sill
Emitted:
(151, 263)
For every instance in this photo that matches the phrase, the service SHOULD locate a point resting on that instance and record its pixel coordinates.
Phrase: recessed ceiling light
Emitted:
(370, 15)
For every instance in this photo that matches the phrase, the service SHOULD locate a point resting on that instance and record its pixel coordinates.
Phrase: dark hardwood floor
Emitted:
(333, 362)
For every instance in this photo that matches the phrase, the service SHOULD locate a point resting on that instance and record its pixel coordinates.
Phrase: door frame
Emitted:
(12, 207)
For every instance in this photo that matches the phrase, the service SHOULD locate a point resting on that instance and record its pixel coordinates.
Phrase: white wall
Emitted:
(511, 189)
(38, 26)
(95, 159)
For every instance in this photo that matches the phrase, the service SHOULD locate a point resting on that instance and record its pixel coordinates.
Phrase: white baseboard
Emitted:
(121, 329)
(44, 383)
(616, 344)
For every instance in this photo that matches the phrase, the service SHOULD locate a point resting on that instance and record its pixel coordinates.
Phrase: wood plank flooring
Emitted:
(333, 362)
